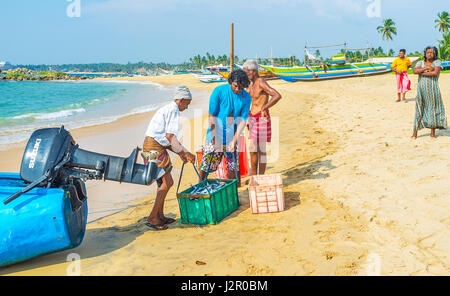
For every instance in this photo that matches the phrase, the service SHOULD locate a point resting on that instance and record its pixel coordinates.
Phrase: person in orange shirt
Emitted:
(400, 66)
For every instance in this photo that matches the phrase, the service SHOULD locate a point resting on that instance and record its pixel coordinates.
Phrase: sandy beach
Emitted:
(359, 191)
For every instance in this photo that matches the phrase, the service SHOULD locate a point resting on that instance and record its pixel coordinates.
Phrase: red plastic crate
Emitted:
(266, 194)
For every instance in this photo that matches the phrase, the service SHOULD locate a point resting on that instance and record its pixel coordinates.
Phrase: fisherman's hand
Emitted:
(190, 157)
(263, 113)
(183, 156)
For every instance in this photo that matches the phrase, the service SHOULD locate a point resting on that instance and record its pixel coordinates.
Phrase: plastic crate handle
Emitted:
(181, 174)
(207, 173)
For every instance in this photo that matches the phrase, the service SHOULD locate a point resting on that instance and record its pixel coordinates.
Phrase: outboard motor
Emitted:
(44, 207)
(52, 159)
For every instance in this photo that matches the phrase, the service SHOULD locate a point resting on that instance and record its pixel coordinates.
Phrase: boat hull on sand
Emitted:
(313, 73)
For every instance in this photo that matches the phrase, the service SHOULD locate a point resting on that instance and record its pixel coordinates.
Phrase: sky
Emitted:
(122, 31)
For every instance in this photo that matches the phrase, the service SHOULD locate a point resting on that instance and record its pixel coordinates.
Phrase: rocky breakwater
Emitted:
(23, 74)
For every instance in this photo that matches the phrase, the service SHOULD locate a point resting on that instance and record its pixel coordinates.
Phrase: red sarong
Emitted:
(260, 128)
(403, 83)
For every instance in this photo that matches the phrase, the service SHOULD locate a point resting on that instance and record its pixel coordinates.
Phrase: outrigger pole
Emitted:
(333, 45)
(325, 46)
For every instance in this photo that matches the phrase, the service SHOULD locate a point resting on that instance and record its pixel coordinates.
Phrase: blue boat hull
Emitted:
(40, 221)
(445, 65)
(292, 74)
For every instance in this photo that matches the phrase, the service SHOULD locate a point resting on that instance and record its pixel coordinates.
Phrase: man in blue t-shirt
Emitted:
(229, 107)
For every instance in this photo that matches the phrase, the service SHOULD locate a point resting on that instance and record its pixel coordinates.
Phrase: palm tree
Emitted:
(444, 46)
(443, 22)
(386, 30)
(317, 54)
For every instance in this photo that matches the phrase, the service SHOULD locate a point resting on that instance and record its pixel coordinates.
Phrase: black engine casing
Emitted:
(46, 147)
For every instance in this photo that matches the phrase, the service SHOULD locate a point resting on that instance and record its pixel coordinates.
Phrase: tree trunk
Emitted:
(387, 48)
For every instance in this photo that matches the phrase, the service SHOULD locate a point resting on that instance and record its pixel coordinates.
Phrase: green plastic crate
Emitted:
(208, 209)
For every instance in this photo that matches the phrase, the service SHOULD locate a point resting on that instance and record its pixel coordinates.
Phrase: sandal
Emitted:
(170, 220)
(162, 226)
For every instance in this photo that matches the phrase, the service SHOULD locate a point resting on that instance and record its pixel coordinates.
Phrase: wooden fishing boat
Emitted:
(209, 78)
(262, 73)
(309, 73)
(445, 65)
(337, 68)
(213, 79)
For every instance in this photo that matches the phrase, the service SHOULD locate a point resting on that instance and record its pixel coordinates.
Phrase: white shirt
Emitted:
(165, 121)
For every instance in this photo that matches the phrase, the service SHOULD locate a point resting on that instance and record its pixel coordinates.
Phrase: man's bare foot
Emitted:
(414, 136)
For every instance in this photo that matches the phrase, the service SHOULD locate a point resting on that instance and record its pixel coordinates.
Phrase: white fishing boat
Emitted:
(208, 78)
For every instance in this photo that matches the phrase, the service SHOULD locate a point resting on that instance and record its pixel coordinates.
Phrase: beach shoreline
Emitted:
(103, 138)
(356, 188)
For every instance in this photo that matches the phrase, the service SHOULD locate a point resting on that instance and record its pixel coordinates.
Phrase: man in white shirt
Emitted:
(161, 135)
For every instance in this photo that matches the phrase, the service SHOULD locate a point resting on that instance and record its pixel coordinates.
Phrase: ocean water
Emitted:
(28, 105)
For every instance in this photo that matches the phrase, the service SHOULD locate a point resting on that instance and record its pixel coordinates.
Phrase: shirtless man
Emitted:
(259, 125)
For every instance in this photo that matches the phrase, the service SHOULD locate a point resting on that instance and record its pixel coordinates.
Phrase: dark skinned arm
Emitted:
(432, 73)
(272, 92)
(240, 128)
(420, 71)
(212, 126)
(176, 147)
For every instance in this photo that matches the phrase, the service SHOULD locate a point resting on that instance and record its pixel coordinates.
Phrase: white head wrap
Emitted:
(182, 92)
(251, 65)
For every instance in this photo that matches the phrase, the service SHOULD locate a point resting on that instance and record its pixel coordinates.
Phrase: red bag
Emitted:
(243, 158)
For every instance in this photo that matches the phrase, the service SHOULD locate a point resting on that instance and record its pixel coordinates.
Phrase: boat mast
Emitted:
(232, 49)
(271, 58)
(304, 56)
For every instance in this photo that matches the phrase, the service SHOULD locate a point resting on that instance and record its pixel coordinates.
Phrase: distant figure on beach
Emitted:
(161, 136)
(430, 111)
(229, 106)
(400, 66)
(259, 124)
